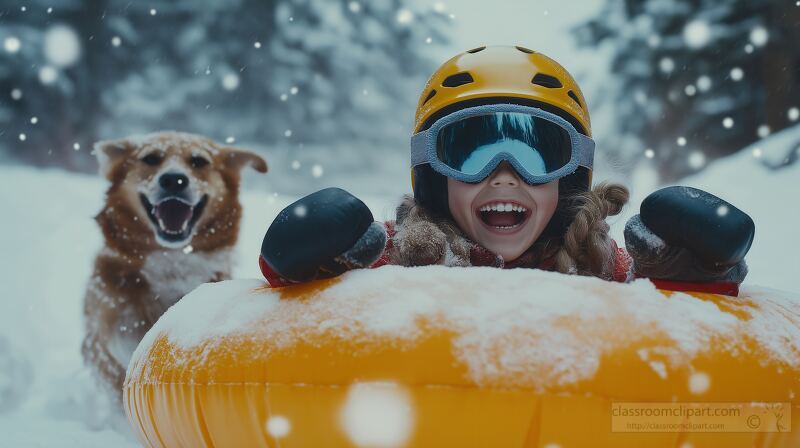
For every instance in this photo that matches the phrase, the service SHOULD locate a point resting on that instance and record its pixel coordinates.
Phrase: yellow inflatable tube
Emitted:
(468, 357)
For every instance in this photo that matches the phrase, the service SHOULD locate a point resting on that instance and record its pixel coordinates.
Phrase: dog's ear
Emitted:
(109, 153)
(237, 159)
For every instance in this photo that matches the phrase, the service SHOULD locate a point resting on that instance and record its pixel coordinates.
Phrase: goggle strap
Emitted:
(585, 151)
(419, 148)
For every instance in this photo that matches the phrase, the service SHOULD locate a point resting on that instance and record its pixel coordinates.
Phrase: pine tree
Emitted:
(697, 79)
(262, 71)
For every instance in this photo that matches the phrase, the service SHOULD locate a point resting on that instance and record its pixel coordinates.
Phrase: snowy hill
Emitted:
(49, 240)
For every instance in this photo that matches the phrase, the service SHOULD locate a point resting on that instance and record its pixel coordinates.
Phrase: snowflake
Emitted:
(759, 36)
(722, 210)
(681, 141)
(293, 90)
(284, 97)
(47, 75)
(153, 11)
(428, 40)
(34, 120)
(667, 65)
(704, 83)
(287, 133)
(690, 90)
(230, 81)
(16, 94)
(697, 160)
(649, 153)
(76, 146)
(300, 211)
(230, 140)
(12, 44)
(316, 170)
(257, 44)
(727, 122)
(699, 383)
(404, 16)
(116, 41)
(763, 131)
(748, 48)
(295, 165)
(439, 7)
(654, 41)
(737, 74)
(697, 34)
(757, 153)
(188, 249)
(278, 426)
(354, 7)
(793, 114)
(22, 137)
(62, 46)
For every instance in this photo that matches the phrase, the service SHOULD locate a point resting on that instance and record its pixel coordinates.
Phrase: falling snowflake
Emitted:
(62, 47)
(690, 90)
(365, 92)
(22, 137)
(699, 383)
(116, 41)
(317, 170)
(300, 211)
(649, 153)
(230, 140)
(47, 74)
(697, 160)
(257, 44)
(49, 10)
(667, 65)
(76, 146)
(34, 120)
(654, 41)
(293, 90)
(284, 97)
(727, 122)
(793, 114)
(295, 165)
(748, 48)
(681, 141)
(704, 83)
(354, 6)
(759, 36)
(404, 16)
(278, 426)
(697, 34)
(722, 210)
(428, 40)
(378, 414)
(439, 7)
(737, 74)
(757, 153)
(153, 11)
(230, 81)
(188, 249)
(287, 133)
(12, 44)
(763, 131)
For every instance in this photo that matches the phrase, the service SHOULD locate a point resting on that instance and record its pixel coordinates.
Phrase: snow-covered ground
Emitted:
(49, 239)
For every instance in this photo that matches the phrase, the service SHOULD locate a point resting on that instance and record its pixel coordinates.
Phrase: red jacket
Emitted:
(624, 269)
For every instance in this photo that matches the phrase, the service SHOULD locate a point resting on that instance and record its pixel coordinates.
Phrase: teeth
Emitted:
(503, 207)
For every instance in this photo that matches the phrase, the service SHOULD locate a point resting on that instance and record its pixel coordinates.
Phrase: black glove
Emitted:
(322, 235)
(690, 235)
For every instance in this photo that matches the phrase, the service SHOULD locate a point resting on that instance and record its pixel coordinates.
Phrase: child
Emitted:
(501, 172)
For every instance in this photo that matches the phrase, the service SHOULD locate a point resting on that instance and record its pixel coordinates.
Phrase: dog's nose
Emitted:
(173, 182)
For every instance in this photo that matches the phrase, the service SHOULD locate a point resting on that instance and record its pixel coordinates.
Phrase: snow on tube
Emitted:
(436, 356)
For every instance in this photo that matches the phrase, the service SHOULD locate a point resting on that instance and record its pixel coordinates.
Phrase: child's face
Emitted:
(476, 210)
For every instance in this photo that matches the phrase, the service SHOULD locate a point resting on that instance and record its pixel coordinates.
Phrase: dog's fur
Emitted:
(147, 265)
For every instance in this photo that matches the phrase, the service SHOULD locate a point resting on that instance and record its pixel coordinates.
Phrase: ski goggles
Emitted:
(468, 144)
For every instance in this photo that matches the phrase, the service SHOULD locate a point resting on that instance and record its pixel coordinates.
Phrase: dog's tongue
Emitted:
(173, 215)
(500, 218)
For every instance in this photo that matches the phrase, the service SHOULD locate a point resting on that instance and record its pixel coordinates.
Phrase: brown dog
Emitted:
(170, 222)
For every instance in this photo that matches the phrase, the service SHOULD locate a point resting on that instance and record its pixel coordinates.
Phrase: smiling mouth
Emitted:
(173, 218)
(503, 217)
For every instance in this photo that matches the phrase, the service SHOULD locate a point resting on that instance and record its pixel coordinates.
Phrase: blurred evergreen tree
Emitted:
(693, 80)
(261, 71)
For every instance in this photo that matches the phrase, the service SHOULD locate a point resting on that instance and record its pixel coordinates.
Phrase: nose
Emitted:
(504, 176)
(173, 182)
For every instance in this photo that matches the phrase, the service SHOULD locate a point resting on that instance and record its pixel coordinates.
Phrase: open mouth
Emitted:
(502, 216)
(173, 218)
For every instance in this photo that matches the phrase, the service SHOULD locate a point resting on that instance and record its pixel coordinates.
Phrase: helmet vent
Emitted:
(475, 50)
(525, 50)
(430, 95)
(547, 81)
(575, 97)
(459, 79)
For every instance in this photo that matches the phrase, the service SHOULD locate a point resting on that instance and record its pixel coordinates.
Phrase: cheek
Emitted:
(459, 198)
(546, 197)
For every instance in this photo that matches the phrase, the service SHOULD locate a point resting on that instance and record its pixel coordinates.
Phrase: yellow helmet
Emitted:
(502, 74)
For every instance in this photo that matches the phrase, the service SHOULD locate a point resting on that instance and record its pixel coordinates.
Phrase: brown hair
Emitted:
(586, 247)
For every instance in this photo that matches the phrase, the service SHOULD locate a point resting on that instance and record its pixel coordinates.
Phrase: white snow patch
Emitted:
(377, 414)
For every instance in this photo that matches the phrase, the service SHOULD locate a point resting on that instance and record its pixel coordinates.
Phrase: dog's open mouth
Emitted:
(174, 218)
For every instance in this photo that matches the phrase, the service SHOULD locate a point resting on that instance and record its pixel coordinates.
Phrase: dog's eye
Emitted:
(198, 162)
(152, 159)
